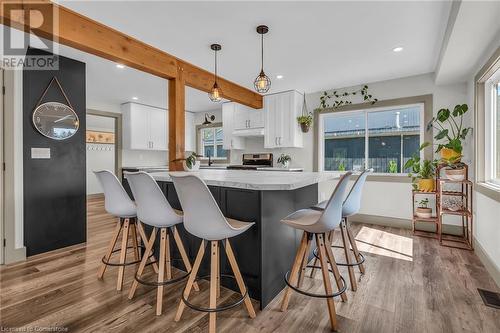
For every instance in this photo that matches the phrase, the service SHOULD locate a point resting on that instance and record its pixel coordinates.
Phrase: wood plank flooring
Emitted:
(411, 285)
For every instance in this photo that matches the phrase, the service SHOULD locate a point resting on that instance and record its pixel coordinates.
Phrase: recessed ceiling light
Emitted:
(398, 49)
(120, 66)
(135, 98)
(279, 77)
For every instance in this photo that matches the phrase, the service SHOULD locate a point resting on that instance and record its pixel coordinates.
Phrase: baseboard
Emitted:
(488, 263)
(15, 255)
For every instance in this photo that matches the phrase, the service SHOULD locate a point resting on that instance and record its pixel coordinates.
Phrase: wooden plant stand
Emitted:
(432, 220)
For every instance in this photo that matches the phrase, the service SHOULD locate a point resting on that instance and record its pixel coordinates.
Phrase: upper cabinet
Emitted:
(231, 141)
(246, 118)
(281, 111)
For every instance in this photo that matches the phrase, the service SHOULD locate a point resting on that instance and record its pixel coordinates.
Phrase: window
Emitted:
(492, 124)
(210, 142)
(382, 139)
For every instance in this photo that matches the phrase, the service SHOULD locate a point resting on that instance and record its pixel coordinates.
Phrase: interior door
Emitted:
(158, 132)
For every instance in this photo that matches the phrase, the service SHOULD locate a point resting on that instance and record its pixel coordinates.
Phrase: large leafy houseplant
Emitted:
(422, 172)
(451, 132)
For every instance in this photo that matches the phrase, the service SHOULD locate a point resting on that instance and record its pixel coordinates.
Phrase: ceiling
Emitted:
(314, 45)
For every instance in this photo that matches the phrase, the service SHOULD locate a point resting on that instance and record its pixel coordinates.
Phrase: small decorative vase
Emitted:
(450, 155)
(423, 212)
(305, 127)
(426, 185)
(455, 174)
(195, 167)
(285, 165)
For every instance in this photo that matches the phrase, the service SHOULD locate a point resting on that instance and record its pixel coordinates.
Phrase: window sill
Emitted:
(383, 177)
(488, 189)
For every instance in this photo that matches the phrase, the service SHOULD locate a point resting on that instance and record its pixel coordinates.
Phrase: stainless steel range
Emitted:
(254, 162)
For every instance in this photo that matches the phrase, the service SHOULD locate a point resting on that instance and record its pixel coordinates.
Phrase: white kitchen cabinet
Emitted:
(228, 126)
(281, 127)
(190, 132)
(144, 127)
(246, 118)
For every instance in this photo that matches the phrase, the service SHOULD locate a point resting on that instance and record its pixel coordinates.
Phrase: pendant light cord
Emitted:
(262, 52)
(215, 80)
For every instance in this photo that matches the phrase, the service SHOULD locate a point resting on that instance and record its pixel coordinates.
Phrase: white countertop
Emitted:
(255, 180)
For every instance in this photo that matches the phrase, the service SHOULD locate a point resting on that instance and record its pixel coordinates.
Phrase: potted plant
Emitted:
(422, 172)
(455, 170)
(284, 160)
(422, 210)
(450, 129)
(190, 163)
(305, 122)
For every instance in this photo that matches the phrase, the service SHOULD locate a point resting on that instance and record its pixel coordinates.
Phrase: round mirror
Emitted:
(56, 120)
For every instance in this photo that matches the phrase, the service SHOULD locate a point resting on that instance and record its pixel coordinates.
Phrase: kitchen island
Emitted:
(265, 251)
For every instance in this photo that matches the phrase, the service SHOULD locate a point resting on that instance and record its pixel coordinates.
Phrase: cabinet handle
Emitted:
(152, 144)
(279, 140)
(275, 140)
(249, 124)
(231, 143)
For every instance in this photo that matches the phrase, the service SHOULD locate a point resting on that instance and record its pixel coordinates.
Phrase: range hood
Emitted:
(249, 132)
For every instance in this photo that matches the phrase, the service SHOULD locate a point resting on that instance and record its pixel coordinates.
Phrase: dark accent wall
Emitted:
(54, 189)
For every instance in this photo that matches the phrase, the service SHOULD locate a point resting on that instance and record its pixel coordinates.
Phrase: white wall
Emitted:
(99, 156)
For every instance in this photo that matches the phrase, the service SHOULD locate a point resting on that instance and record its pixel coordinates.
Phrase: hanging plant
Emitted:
(306, 119)
(342, 98)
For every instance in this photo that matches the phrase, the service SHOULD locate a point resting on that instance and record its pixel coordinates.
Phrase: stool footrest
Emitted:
(362, 260)
(163, 283)
(300, 291)
(217, 309)
(128, 263)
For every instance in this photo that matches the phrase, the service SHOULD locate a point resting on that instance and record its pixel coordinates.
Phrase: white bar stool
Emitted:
(154, 210)
(317, 224)
(203, 219)
(351, 206)
(118, 203)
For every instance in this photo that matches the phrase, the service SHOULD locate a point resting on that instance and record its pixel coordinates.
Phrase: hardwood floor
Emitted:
(411, 285)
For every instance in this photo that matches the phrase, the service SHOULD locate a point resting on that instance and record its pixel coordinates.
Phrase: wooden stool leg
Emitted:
(335, 269)
(217, 275)
(184, 256)
(305, 261)
(214, 258)
(350, 269)
(190, 282)
(239, 279)
(111, 247)
(161, 270)
(144, 261)
(135, 244)
(144, 238)
(168, 259)
(295, 270)
(326, 278)
(123, 254)
(352, 240)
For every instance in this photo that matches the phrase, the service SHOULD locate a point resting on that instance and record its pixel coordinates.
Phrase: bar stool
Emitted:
(317, 224)
(154, 210)
(351, 206)
(203, 219)
(118, 203)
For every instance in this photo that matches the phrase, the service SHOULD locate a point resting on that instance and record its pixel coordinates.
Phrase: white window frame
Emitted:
(321, 141)
(201, 150)
(490, 121)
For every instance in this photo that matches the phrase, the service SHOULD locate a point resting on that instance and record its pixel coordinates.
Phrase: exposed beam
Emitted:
(85, 34)
(176, 119)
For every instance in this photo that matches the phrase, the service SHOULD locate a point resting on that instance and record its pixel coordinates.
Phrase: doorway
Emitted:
(103, 147)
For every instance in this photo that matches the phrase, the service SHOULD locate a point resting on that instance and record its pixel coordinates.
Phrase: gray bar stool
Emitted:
(118, 203)
(318, 224)
(203, 219)
(351, 206)
(154, 210)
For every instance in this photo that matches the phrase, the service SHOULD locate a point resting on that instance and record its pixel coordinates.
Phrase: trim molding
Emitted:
(488, 263)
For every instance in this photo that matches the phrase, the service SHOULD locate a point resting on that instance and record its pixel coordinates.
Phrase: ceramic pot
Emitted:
(450, 155)
(426, 185)
(305, 127)
(423, 212)
(195, 167)
(455, 174)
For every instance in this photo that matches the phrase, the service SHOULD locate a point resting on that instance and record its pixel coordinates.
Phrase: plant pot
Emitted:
(424, 212)
(450, 155)
(195, 167)
(455, 174)
(426, 185)
(305, 127)
(285, 165)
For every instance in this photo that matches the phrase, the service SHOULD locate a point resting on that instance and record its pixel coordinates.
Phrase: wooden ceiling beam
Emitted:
(85, 34)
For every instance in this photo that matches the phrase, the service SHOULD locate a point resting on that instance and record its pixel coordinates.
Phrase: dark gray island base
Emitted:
(266, 251)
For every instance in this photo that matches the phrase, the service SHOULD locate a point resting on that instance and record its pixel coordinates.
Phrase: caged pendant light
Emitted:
(215, 94)
(262, 83)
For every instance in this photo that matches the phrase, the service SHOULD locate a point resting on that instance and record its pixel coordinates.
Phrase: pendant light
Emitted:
(215, 93)
(262, 83)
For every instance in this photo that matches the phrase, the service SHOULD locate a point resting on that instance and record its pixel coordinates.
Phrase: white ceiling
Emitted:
(314, 45)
